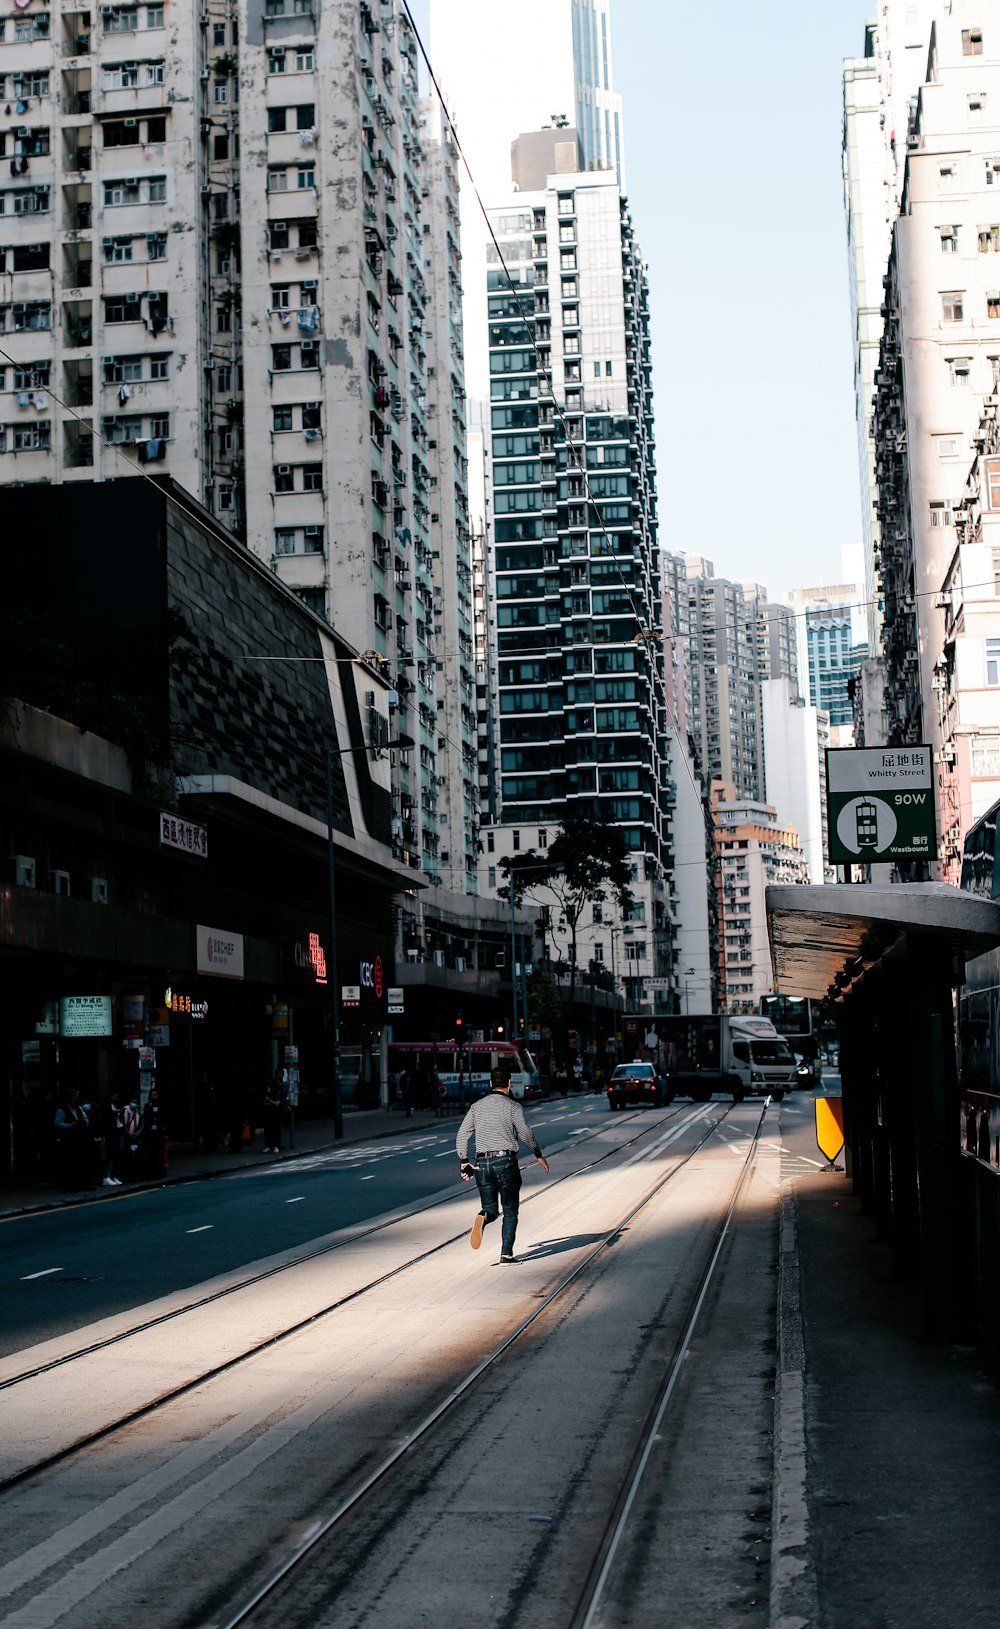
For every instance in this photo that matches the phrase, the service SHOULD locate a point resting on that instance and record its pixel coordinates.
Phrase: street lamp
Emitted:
(403, 742)
(688, 973)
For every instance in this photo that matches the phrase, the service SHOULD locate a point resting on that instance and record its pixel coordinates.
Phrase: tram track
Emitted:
(252, 1281)
(253, 1608)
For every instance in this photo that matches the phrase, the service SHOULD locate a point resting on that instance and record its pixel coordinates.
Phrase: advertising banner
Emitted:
(220, 954)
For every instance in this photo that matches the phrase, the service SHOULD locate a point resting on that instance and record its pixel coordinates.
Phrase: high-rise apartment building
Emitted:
(755, 849)
(878, 89)
(939, 370)
(579, 655)
(231, 251)
(830, 652)
(598, 105)
(735, 638)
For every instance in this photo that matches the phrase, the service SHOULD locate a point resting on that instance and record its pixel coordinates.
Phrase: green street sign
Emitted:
(880, 804)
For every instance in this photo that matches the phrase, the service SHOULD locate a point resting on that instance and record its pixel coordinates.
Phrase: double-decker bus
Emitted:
(454, 1072)
(796, 1018)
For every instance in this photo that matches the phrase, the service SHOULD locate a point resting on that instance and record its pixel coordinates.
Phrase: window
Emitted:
(988, 240)
(993, 303)
(280, 296)
(218, 33)
(220, 206)
(282, 418)
(312, 540)
(312, 477)
(31, 437)
(952, 306)
(959, 370)
(117, 250)
(947, 446)
(309, 354)
(123, 308)
(947, 178)
(158, 367)
(31, 257)
(159, 427)
(156, 131)
(972, 42)
(991, 469)
(220, 146)
(276, 61)
(223, 319)
(120, 76)
(155, 72)
(977, 105)
(310, 415)
(121, 133)
(940, 512)
(35, 377)
(277, 180)
(949, 240)
(157, 189)
(224, 379)
(305, 116)
(992, 661)
(303, 60)
(156, 246)
(314, 599)
(220, 92)
(283, 481)
(154, 16)
(226, 498)
(307, 235)
(284, 542)
(277, 119)
(121, 370)
(32, 28)
(307, 176)
(281, 357)
(986, 757)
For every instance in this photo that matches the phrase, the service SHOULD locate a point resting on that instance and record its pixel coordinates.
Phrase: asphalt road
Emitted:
(60, 1270)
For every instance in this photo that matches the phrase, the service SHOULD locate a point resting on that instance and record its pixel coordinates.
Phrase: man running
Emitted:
(499, 1127)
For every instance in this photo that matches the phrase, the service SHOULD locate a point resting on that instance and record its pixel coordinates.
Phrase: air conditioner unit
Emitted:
(130, 124)
(283, 469)
(312, 531)
(206, 74)
(58, 882)
(275, 254)
(23, 867)
(311, 283)
(459, 964)
(439, 958)
(132, 299)
(99, 890)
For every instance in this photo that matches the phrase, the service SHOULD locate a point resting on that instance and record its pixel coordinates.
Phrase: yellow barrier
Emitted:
(830, 1126)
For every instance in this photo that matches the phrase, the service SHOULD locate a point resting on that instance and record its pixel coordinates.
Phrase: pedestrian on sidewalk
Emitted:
(153, 1137)
(275, 1099)
(112, 1127)
(498, 1125)
(74, 1144)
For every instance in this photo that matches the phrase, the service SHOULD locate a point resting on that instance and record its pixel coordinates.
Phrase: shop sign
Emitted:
(220, 954)
(279, 1015)
(350, 995)
(84, 1015)
(370, 976)
(183, 834)
(394, 996)
(880, 804)
(311, 957)
(291, 1056)
(186, 1006)
(147, 1058)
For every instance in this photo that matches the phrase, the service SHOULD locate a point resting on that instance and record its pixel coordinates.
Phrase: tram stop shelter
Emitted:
(889, 960)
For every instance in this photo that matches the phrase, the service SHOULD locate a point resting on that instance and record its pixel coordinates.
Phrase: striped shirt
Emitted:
(499, 1125)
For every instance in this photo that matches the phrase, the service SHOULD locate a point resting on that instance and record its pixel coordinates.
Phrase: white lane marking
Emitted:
(296, 1201)
(368, 1178)
(581, 1131)
(422, 1161)
(444, 1156)
(206, 1227)
(45, 1273)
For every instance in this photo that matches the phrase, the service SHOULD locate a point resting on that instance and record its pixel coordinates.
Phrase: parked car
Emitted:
(636, 1083)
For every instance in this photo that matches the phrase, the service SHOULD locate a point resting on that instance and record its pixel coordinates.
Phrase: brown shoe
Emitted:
(476, 1236)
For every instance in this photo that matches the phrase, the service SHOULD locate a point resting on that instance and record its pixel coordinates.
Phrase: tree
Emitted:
(583, 864)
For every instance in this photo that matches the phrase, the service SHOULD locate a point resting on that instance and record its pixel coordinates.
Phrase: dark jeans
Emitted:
(499, 1183)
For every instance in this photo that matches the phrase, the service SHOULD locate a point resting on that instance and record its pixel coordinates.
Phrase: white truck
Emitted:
(710, 1052)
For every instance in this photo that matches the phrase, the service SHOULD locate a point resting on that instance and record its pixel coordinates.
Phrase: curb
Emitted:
(794, 1592)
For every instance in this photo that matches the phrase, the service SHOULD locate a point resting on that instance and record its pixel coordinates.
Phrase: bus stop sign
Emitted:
(880, 804)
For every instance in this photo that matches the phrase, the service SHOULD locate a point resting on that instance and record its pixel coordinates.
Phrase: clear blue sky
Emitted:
(732, 130)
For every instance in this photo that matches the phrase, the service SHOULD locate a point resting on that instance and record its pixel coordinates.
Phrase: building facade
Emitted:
(830, 651)
(754, 851)
(580, 695)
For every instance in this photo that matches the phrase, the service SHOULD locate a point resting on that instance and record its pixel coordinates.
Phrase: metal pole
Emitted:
(338, 1112)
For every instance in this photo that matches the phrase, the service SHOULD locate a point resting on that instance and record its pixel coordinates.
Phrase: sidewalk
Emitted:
(890, 1487)
(190, 1165)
